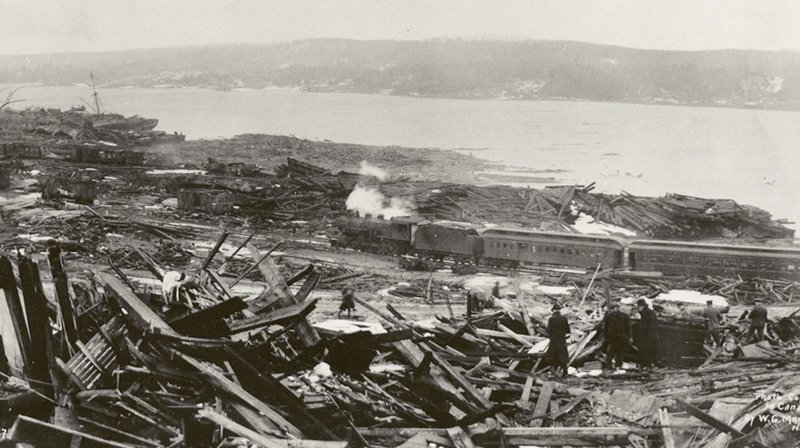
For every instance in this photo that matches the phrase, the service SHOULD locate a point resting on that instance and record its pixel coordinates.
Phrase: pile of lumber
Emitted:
(555, 208)
(111, 363)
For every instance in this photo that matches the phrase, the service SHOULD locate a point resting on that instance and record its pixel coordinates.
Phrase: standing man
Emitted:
(758, 319)
(348, 302)
(713, 319)
(648, 344)
(558, 330)
(617, 333)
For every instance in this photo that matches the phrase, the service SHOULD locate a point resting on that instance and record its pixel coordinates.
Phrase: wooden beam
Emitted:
(61, 285)
(572, 436)
(544, 399)
(41, 434)
(526, 392)
(308, 286)
(214, 251)
(39, 328)
(469, 389)
(231, 389)
(236, 428)
(460, 438)
(278, 316)
(8, 283)
(563, 436)
(666, 428)
(198, 323)
(142, 317)
(514, 335)
(713, 422)
(278, 286)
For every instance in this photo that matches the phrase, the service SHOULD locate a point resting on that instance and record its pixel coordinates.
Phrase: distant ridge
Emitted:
(451, 68)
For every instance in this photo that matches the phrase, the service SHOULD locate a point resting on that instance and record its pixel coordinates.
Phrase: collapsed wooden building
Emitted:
(109, 362)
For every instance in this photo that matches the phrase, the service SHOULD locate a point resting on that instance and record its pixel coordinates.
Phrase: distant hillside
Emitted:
(443, 68)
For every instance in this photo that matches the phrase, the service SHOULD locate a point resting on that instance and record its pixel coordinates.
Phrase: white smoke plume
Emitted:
(374, 171)
(368, 200)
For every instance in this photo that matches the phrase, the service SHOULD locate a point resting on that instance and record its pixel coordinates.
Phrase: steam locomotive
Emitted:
(514, 247)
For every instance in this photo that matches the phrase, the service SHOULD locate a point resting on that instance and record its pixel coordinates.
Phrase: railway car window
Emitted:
(729, 263)
(522, 246)
(790, 267)
(714, 263)
(533, 248)
(561, 250)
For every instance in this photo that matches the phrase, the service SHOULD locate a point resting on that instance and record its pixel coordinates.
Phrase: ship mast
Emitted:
(96, 102)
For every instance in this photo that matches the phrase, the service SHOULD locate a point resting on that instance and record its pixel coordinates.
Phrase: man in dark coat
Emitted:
(758, 319)
(348, 302)
(617, 333)
(558, 330)
(648, 342)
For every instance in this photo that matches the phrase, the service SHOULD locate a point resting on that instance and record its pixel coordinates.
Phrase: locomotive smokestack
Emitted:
(366, 200)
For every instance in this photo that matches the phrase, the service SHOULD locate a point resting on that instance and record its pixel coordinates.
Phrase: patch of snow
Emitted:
(176, 171)
(587, 225)
(692, 298)
(350, 326)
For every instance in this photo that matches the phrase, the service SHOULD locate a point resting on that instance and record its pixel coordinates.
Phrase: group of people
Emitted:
(618, 334)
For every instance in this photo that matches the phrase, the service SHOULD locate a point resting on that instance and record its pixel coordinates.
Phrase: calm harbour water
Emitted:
(751, 156)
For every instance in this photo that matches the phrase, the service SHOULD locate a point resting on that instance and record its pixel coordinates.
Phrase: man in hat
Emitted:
(558, 330)
(648, 342)
(758, 319)
(713, 320)
(617, 333)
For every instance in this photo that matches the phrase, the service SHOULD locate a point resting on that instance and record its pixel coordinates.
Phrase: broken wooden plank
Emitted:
(202, 323)
(142, 317)
(666, 428)
(214, 250)
(61, 286)
(278, 286)
(278, 316)
(231, 389)
(544, 399)
(713, 422)
(460, 438)
(308, 286)
(41, 434)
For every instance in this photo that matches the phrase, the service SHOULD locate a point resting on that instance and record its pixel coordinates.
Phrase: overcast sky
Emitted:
(40, 26)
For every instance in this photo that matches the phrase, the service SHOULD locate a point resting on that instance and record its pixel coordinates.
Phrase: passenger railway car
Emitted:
(678, 258)
(377, 235)
(511, 247)
(458, 241)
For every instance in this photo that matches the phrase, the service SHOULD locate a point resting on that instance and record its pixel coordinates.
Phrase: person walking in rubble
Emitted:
(713, 319)
(758, 319)
(558, 330)
(348, 302)
(617, 333)
(648, 342)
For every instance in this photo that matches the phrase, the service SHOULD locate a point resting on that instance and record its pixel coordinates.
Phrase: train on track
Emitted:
(462, 243)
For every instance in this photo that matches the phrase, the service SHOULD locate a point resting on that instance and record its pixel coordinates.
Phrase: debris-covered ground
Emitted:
(151, 304)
